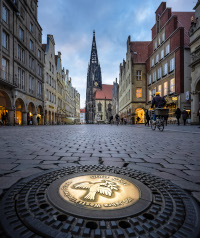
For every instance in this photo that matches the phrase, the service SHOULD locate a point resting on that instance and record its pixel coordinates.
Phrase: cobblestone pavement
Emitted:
(172, 154)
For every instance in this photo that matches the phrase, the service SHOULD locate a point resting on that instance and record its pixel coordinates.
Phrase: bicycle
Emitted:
(159, 123)
(159, 113)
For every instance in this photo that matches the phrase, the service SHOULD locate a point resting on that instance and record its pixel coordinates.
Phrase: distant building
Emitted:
(82, 116)
(115, 98)
(168, 61)
(194, 33)
(103, 103)
(94, 82)
(50, 81)
(132, 82)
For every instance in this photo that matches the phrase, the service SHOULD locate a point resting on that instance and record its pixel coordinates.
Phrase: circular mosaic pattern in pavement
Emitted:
(97, 201)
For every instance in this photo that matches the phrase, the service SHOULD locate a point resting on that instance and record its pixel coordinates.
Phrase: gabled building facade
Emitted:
(115, 99)
(132, 82)
(168, 59)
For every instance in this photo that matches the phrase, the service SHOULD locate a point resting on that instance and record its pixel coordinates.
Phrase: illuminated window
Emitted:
(172, 85)
(165, 88)
(138, 92)
(160, 89)
(172, 64)
(139, 75)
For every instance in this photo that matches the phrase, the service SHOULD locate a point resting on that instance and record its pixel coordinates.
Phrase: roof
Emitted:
(106, 92)
(184, 20)
(44, 47)
(82, 110)
(139, 51)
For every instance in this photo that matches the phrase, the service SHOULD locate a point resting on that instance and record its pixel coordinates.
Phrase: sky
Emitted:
(72, 22)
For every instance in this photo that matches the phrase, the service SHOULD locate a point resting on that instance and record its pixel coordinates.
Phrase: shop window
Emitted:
(5, 14)
(172, 85)
(138, 92)
(150, 97)
(139, 75)
(165, 88)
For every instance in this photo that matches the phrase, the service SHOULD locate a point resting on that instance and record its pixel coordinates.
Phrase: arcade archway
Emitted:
(139, 116)
(5, 107)
(19, 109)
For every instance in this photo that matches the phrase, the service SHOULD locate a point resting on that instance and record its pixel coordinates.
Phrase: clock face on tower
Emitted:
(95, 84)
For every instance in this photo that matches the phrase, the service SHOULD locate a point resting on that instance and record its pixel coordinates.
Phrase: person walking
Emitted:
(117, 119)
(38, 120)
(184, 116)
(178, 115)
(147, 117)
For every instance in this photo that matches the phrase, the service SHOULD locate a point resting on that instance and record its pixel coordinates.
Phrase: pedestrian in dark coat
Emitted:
(184, 116)
(178, 115)
(147, 117)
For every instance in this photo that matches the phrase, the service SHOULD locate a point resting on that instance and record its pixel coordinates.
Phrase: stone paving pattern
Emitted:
(172, 154)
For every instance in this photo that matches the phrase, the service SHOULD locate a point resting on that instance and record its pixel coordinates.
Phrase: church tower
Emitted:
(94, 82)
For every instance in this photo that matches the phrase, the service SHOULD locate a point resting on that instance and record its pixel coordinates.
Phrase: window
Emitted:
(160, 89)
(47, 95)
(39, 89)
(159, 41)
(172, 85)
(4, 69)
(150, 97)
(154, 76)
(165, 69)
(52, 69)
(31, 26)
(152, 62)
(39, 54)
(139, 75)
(31, 44)
(31, 63)
(21, 77)
(163, 36)
(155, 44)
(150, 79)
(159, 72)
(172, 64)
(157, 58)
(39, 70)
(162, 54)
(99, 107)
(47, 78)
(31, 84)
(5, 39)
(5, 14)
(138, 92)
(109, 107)
(20, 53)
(153, 92)
(165, 88)
(167, 49)
(21, 34)
(50, 66)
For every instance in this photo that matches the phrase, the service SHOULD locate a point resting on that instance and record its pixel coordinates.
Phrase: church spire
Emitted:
(94, 56)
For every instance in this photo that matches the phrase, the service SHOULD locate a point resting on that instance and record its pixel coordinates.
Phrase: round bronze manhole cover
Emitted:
(97, 201)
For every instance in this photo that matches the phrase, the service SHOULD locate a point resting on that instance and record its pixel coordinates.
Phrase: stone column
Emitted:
(24, 118)
(194, 108)
(35, 119)
(11, 117)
